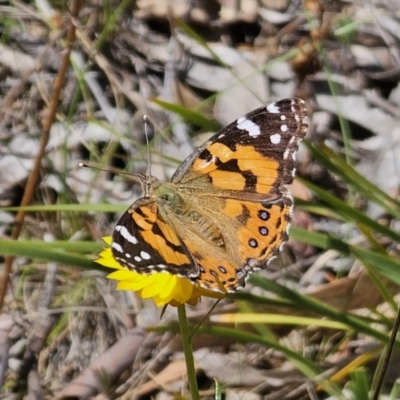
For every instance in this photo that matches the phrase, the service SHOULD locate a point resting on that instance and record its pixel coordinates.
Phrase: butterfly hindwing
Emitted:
(247, 236)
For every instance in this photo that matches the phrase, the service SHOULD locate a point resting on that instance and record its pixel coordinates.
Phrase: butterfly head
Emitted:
(148, 183)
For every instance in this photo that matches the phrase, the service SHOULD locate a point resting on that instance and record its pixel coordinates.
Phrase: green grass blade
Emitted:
(189, 115)
(359, 384)
(101, 207)
(338, 165)
(256, 318)
(383, 263)
(351, 213)
(318, 209)
(321, 240)
(313, 305)
(51, 251)
(386, 265)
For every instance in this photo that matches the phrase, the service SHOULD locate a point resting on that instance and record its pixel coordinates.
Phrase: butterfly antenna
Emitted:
(116, 171)
(146, 134)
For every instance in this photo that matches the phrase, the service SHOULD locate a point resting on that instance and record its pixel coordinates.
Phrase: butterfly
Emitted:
(226, 210)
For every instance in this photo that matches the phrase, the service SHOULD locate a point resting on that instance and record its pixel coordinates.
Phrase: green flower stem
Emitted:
(187, 349)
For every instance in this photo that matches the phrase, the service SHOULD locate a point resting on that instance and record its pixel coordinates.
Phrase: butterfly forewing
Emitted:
(252, 155)
(143, 242)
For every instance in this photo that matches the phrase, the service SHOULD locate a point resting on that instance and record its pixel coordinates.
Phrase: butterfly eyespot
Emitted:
(223, 270)
(263, 231)
(263, 215)
(253, 243)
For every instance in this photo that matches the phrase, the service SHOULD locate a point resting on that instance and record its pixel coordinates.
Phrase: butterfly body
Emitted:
(226, 211)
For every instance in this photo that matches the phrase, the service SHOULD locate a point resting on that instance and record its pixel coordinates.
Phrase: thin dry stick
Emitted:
(33, 177)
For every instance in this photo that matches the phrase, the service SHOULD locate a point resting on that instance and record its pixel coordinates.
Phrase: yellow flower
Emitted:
(163, 288)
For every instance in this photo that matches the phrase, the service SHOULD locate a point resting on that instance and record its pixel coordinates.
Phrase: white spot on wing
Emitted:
(273, 108)
(284, 128)
(249, 126)
(283, 117)
(275, 139)
(144, 255)
(137, 259)
(125, 234)
(117, 247)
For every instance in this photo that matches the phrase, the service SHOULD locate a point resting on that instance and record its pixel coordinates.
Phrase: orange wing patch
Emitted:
(164, 248)
(146, 217)
(217, 150)
(262, 228)
(242, 169)
(217, 271)
(163, 239)
(228, 180)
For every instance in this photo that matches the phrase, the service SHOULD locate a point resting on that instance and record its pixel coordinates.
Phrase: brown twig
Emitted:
(33, 177)
(107, 367)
